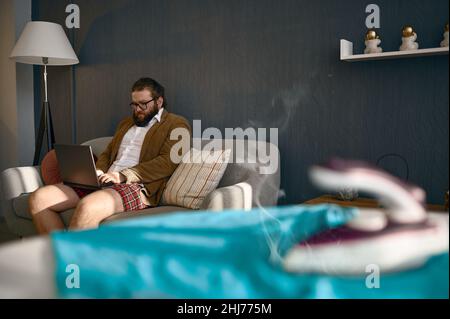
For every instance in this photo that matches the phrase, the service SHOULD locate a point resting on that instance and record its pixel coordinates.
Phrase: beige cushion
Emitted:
(198, 175)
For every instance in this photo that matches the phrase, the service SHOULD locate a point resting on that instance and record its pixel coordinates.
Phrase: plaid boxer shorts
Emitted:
(130, 194)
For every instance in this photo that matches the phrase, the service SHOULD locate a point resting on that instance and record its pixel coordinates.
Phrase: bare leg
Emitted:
(95, 207)
(45, 204)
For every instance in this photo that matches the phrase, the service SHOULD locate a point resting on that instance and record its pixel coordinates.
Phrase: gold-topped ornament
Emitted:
(372, 41)
(372, 35)
(408, 31)
(409, 37)
(444, 42)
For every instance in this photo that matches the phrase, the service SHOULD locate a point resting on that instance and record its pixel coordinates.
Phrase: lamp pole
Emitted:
(46, 124)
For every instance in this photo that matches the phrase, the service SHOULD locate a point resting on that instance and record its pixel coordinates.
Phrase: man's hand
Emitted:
(114, 177)
(99, 172)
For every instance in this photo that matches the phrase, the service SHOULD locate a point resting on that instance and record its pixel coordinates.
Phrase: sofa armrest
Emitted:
(14, 182)
(19, 180)
(238, 196)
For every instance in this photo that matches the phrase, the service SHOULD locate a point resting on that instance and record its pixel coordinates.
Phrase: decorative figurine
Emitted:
(372, 42)
(348, 194)
(409, 38)
(444, 43)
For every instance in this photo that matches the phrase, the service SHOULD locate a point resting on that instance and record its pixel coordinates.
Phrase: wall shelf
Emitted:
(347, 53)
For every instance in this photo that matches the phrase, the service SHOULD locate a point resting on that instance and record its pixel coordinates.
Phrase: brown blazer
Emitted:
(155, 167)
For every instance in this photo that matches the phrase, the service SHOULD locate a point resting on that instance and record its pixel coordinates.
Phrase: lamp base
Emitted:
(45, 133)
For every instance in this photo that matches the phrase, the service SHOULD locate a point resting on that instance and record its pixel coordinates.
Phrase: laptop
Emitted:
(77, 166)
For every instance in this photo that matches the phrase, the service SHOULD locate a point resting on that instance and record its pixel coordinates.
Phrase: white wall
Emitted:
(8, 98)
(16, 89)
(24, 92)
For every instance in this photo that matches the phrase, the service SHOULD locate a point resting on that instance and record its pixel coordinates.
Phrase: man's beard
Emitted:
(147, 118)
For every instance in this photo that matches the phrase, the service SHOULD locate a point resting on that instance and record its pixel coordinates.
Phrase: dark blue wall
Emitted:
(267, 63)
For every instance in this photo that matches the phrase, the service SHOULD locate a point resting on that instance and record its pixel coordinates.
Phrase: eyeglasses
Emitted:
(143, 106)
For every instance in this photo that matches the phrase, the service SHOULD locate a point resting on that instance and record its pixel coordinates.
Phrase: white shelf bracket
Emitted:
(346, 49)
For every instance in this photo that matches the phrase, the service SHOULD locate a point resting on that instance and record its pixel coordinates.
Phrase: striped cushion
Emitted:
(198, 175)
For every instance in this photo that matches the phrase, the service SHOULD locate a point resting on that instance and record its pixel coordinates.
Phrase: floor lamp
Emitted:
(44, 43)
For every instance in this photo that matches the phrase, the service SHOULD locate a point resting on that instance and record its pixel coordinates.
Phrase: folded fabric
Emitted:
(232, 254)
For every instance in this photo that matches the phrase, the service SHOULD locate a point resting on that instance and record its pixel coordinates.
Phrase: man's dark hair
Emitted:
(153, 86)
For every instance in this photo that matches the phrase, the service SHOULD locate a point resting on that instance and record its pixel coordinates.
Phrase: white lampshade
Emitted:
(44, 40)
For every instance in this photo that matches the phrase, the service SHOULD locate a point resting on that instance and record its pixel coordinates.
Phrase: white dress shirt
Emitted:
(130, 147)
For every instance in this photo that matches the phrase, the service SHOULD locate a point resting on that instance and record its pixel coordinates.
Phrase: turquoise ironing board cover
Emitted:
(231, 255)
